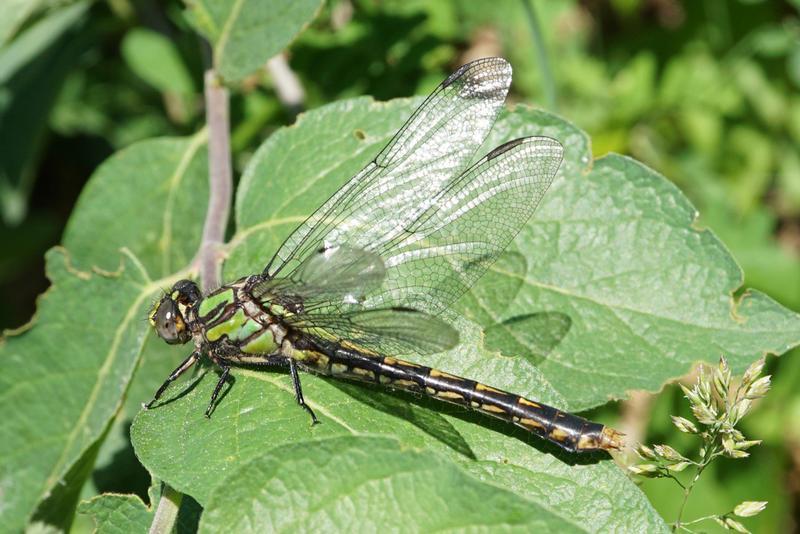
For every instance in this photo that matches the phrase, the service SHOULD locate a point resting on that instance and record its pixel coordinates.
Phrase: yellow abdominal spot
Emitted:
(441, 374)
(587, 442)
(492, 408)
(484, 387)
(526, 402)
(558, 434)
(532, 423)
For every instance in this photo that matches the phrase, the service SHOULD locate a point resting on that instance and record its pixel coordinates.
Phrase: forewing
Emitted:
(428, 153)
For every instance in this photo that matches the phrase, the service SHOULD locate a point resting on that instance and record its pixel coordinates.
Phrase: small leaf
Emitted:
(735, 525)
(155, 59)
(684, 425)
(722, 378)
(759, 388)
(680, 466)
(117, 514)
(245, 33)
(752, 372)
(749, 508)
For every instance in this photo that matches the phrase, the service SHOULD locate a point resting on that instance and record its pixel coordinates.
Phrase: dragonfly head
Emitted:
(168, 316)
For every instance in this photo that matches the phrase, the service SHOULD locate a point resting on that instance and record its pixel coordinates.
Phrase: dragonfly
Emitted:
(367, 276)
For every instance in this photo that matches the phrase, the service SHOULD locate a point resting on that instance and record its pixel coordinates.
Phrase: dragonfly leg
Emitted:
(222, 378)
(298, 392)
(182, 368)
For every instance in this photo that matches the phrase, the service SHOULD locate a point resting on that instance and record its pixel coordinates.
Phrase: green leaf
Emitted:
(33, 68)
(156, 60)
(64, 376)
(61, 389)
(120, 514)
(289, 490)
(147, 198)
(244, 34)
(15, 13)
(114, 513)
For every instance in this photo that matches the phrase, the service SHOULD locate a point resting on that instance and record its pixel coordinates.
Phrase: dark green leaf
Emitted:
(72, 366)
(148, 199)
(32, 70)
(313, 486)
(157, 61)
(74, 383)
(244, 34)
(118, 514)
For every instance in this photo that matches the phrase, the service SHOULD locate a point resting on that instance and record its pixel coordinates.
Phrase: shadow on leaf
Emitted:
(532, 336)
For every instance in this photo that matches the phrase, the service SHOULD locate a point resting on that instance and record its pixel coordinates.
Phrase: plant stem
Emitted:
(220, 178)
(709, 455)
(548, 82)
(167, 511)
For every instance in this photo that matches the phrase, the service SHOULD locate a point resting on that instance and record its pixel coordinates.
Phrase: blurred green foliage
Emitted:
(705, 92)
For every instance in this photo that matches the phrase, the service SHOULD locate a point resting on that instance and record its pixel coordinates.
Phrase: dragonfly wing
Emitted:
(441, 254)
(468, 226)
(413, 230)
(430, 151)
(384, 331)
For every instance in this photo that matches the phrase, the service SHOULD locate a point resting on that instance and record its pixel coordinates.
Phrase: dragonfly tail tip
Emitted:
(612, 439)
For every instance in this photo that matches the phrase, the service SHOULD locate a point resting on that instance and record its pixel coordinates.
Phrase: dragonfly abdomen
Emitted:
(568, 431)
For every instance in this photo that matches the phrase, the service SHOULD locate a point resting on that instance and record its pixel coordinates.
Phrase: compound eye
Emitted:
(168, 322)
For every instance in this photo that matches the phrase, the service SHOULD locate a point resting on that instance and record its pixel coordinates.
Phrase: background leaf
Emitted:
(316, 493)
(148, 198)
(90, 327)
(33, 68)
(245, 33)
(75, 383)
(120, 514)
(156, 59)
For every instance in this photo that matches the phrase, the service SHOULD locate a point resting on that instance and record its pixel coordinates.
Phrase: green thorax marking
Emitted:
(222, 314)
(261, 344)
(230, 326)
(215, 301)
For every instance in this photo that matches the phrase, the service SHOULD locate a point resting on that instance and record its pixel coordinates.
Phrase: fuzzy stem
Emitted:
(221, 186)
(167, 511)
(220, 178)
